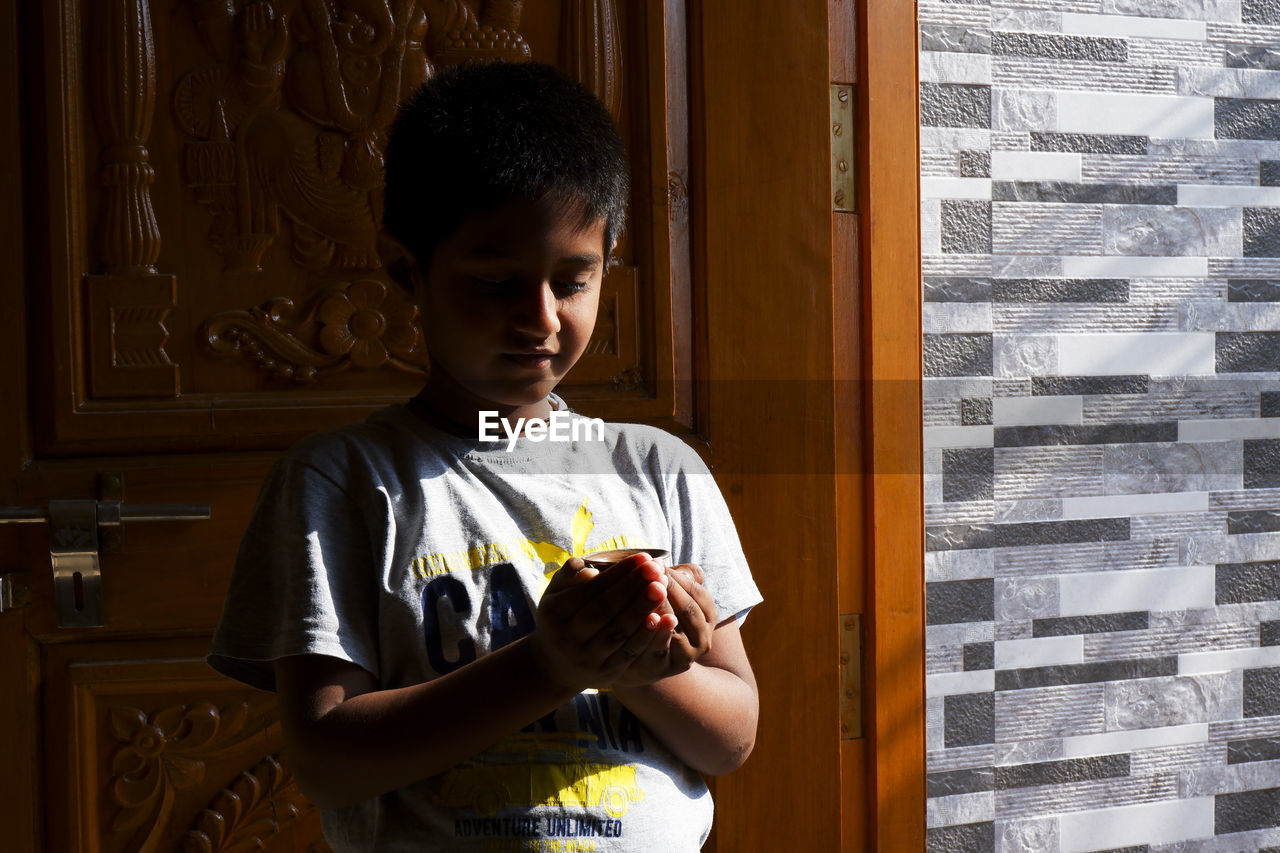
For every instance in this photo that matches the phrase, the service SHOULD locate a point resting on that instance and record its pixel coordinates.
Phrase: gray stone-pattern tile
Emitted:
(1084, 317)
(1086, 557)
(1068, 75)
(1081, 796)
(1178, 405)
(1167, 170)
(1172, 231)
(1047, 509)
(1053, 712)
(1108, 235)
(1180, 640)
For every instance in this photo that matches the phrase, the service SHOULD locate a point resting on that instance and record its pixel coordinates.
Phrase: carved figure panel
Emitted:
(287, 121)
(225, 157)
(287, 124)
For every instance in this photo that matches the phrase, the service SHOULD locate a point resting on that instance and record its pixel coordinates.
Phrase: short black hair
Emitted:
(473, 136)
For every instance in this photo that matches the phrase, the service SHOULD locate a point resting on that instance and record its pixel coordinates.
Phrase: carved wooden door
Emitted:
(188, 217)
(201, 194)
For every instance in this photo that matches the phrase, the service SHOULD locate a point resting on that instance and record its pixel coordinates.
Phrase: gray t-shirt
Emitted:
(411, 552)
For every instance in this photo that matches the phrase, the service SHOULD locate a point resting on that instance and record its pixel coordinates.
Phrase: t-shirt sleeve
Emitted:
(702, 532)
(303, 581)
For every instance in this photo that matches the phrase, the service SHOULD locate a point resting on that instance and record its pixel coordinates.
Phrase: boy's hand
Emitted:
(592, 624)
(675, 649)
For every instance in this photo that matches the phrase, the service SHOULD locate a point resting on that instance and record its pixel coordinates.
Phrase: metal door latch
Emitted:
(78, 530)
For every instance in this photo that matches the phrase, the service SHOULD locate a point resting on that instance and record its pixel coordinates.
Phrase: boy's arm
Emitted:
(707, 714)
(346, 740)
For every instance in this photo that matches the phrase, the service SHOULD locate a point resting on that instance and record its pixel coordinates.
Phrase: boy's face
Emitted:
(508, 305)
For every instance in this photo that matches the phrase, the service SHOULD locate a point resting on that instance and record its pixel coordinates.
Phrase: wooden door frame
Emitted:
(20, 781)
(851, 281)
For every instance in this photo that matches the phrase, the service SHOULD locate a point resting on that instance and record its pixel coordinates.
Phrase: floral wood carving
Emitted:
(363, 323)
(630, 379)
(261, 803)
(164, 754)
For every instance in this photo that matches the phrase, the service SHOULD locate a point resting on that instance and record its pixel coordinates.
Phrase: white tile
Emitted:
(955, 138)
(1228, 429)
(1166, 116)
(949, 67)
(1119, 266)
(1156, 353)
(930, 226)
(940, 318)
(1222, 195)
(1180, 588)
(1039, 651)
(1035, 166)
(1114, 506)
(951, 683)
(959, 436)
(1129, 740)
(1126, 826)
(1131, 25)
(961, 808)
(1021, 411)
(971, 188)
(1225, 660)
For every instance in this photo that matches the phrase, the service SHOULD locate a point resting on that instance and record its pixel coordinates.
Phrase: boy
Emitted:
(437, 691)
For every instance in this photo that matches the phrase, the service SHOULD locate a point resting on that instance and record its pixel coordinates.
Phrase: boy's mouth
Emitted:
(534, 360)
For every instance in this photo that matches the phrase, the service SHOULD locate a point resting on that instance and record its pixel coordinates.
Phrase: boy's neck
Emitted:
(453, 410)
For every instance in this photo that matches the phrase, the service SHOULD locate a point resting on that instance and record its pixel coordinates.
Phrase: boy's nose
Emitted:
(536, 314)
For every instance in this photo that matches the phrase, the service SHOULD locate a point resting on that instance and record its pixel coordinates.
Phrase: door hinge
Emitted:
(850, 676)
(842, 150)
(15, 591)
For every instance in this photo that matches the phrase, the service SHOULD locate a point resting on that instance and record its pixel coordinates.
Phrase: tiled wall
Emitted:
(1101, 184)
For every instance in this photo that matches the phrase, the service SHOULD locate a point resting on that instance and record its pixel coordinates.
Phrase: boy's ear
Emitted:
(400, 263)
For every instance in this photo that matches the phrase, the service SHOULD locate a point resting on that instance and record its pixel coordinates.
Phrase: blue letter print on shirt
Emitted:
(449, 589)
(510, 615)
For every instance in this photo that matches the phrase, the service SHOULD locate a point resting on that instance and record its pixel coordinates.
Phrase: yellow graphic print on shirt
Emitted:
(540, 769)
(548, 554)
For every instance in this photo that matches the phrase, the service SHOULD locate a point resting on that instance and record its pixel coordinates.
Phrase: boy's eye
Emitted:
(494, 282)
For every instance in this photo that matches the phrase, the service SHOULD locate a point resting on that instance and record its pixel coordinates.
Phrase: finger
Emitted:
(626, 602)
(638, 615)
(690, 577)
(633, 646)
(571, 569)
(692, 620)
(680, 654)
(702, 596)
(690, 571)
(643, 649)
